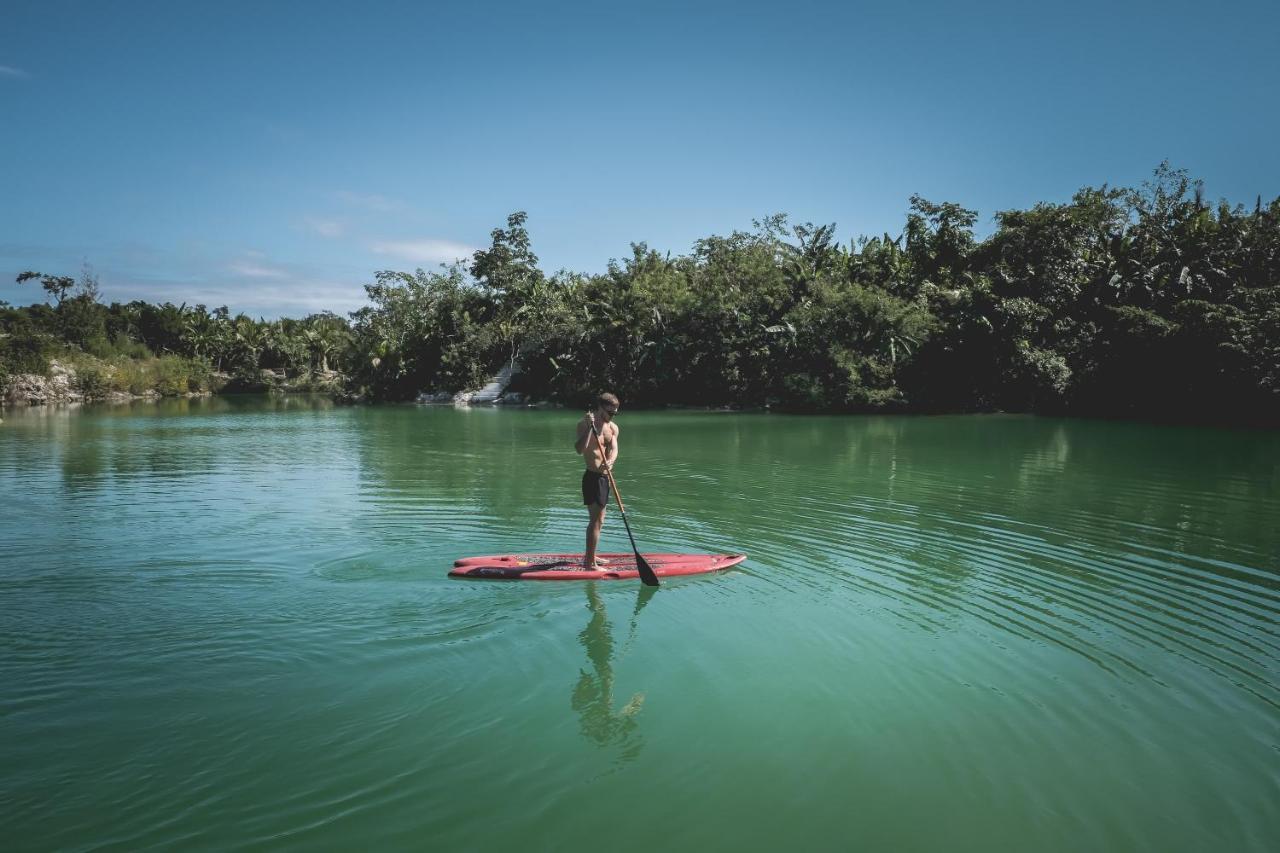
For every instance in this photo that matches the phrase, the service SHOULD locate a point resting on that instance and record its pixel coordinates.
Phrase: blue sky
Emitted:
(271, 156)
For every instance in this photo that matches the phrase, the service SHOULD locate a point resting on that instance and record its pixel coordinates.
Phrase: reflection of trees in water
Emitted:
(593, 695)
(1196, 490)
(93, 450)
(1092, 536)
(96, 443)
(514, 465)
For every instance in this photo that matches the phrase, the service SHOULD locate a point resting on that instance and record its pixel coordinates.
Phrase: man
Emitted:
(600, 454)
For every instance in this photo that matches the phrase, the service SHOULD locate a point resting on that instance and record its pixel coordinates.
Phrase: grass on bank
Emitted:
(129, 367)
(167, 375)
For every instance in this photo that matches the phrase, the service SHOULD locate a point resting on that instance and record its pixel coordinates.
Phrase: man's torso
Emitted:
(593, 455)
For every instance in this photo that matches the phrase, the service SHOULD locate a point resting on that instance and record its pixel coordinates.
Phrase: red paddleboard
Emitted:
(568, 567)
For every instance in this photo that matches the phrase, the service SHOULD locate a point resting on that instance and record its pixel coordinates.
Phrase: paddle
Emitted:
(647, 576)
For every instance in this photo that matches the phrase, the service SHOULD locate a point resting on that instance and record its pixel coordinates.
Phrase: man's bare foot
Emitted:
(598, 566)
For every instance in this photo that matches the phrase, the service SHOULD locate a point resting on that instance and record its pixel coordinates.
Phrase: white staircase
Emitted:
(488, 395)
(491, 392)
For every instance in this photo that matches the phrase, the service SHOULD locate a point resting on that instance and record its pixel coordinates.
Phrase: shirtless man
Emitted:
(595, 480)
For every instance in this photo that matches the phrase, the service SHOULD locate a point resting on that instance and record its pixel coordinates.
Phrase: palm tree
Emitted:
(248, 341)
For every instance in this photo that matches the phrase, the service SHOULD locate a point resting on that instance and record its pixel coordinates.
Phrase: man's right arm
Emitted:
(584, 433)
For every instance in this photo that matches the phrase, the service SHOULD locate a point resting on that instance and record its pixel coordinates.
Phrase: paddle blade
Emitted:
(647, 575)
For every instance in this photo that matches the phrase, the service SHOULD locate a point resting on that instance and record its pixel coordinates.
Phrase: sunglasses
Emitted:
(610, 412)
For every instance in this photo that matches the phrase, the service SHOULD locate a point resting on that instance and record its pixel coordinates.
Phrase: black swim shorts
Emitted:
(595, 488)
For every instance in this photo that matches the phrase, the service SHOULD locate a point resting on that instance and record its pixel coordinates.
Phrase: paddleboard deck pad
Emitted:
(569, 567)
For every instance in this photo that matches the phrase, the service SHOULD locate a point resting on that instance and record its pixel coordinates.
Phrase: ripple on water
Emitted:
(259, 647)
(1085, 588)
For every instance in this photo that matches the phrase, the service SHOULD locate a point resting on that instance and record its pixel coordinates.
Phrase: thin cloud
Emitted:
(374, 202)
(269, 291)
(255, 270)
(295, 297)
(424, 251)
(10, 71)
(247, 281)
(330, 228)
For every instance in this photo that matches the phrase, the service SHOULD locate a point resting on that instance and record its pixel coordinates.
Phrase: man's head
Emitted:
(607, 404)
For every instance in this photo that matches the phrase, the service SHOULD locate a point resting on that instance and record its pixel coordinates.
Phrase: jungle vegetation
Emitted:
(173, 349)
(1148, 302)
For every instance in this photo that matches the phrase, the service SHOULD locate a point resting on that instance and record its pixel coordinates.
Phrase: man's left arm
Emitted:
(613, 450)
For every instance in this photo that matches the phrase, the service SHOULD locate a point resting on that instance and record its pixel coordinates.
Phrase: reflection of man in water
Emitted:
(593, 695)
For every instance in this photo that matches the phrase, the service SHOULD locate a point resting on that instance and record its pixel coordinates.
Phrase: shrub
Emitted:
(172, 376)
(199, 375)
(24, 350)
(120, 346)
(92, 380)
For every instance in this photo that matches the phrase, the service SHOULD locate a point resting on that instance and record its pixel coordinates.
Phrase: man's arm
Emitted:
(613, 451)
(584, 437)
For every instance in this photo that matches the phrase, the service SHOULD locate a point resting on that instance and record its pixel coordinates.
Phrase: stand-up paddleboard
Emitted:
(568, 567)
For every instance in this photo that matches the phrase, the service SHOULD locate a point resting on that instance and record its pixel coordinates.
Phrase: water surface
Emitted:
(226, 624)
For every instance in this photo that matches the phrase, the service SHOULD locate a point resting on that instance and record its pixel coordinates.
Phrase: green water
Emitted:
(226, 625)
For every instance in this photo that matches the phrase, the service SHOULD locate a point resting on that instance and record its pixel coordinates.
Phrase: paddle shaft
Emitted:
(647, 574)
(613, 485)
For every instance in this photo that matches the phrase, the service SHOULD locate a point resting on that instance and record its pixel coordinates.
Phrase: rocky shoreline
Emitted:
(59, 386)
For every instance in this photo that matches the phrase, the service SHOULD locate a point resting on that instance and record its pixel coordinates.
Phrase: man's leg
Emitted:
(593, 535)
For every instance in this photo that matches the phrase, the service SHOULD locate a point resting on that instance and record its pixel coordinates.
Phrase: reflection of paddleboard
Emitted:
(568, 567)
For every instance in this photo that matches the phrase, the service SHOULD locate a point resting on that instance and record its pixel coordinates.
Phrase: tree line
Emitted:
(1135, 302)
(1147, 302)
(138, 346)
